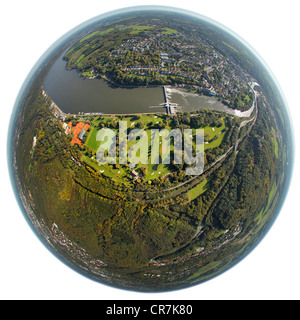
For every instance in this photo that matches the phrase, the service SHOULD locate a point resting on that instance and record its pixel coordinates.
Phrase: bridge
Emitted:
(170, 107)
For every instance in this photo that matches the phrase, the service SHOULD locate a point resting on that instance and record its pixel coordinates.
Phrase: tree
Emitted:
(139, 125)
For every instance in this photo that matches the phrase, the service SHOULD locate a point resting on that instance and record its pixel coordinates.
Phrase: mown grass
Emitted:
(151, 171)
(198, 190)
(215, 134)
(92, 141)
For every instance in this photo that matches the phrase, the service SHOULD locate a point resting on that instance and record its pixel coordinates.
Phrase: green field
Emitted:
(139, 29)
(151, 171)
(263, 215)
(215, 135)
(91, 140)
(99, 33)
(198, 190)
(275, 142)
(169, 31)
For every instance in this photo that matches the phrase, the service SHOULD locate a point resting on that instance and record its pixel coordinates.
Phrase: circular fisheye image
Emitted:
(150, 149)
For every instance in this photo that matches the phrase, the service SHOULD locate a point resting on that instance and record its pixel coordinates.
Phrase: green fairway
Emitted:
(91, 140)
(156, 171)
(215, 135)
(213, 138)
(198, 190)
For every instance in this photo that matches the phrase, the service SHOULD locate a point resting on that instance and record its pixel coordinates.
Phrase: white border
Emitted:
(28, 270)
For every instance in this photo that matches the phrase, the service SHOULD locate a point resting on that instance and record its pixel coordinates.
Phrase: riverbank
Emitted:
(124, 86)
(191, 101)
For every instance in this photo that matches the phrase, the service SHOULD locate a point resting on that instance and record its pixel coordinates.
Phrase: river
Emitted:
(188, 101)
(191, 101)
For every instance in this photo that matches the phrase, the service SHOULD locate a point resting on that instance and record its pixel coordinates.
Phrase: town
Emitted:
(150, 54)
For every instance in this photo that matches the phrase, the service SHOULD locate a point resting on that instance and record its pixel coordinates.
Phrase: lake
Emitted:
(74, 94)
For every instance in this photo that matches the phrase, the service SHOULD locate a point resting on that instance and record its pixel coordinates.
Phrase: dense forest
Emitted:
(125, 228)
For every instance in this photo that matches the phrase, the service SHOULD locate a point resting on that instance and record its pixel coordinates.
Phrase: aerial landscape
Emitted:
(151, 150)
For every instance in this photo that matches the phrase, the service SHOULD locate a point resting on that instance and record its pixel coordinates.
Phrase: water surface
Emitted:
(192, 101)
(74, 94)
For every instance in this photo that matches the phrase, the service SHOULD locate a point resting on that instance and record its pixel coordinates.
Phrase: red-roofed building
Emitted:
(86, 127)
(79, 130)
(69, 128)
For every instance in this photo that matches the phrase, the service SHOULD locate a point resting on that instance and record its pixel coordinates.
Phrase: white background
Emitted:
(28, 270)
